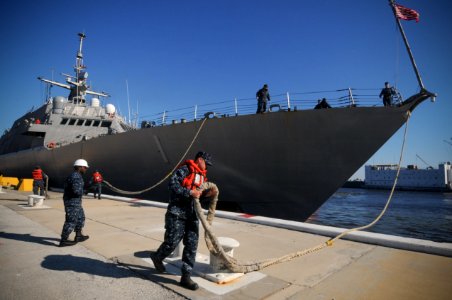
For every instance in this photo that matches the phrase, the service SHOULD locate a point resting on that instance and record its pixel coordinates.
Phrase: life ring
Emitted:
(51, 145)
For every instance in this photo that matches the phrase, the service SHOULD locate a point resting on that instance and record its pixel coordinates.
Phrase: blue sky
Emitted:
(177, 54)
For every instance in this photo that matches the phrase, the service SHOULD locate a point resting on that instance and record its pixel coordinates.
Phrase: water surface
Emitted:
(421, 215)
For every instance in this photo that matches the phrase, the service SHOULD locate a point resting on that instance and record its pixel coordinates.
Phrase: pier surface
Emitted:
(114, 263)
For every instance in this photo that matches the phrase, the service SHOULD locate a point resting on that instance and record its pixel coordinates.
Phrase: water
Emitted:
(420, 215)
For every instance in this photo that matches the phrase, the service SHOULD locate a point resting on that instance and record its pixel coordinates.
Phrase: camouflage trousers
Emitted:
(75, 217)
(178, 229)
(38, 185)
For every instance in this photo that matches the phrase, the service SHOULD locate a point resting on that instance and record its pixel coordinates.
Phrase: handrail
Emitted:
(347, 97)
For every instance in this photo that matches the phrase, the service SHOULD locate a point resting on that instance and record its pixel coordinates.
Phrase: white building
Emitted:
(410, 178)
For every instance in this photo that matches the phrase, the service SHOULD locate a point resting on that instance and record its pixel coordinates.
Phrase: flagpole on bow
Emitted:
(413, 62)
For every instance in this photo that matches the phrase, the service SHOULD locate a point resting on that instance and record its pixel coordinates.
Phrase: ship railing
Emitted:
(342, 98)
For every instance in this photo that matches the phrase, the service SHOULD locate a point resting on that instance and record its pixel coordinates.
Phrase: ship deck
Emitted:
(123, 232)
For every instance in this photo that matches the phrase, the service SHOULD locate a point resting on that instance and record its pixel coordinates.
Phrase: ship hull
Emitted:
(282, 164)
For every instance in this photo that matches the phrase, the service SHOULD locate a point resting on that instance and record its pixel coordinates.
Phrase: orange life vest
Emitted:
(37, 174)
(97, 177)
(196, 177)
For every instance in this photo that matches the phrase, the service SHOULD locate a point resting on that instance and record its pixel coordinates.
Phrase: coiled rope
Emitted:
(115, 189)
(245, 267)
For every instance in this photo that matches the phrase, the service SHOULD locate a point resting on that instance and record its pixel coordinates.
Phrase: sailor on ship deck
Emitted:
(262, 97)
(322, 104)
(387, 92)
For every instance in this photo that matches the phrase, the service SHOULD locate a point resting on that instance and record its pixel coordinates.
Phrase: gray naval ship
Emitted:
(283, 164)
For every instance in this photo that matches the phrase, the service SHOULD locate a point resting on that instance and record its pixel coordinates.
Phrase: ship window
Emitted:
(34, 133)
(96, 123)
(88, 122)
(72, 121)
(63, 121)
(80, 122)
(105, 124)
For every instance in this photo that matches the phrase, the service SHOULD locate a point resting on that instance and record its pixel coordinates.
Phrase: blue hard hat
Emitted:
(206, 156)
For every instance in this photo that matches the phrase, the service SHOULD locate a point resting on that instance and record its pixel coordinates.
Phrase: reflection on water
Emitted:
(421, 215)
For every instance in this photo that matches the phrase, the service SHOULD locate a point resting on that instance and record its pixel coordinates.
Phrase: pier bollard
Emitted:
(228, 245)
(31, 200)
(39, 200)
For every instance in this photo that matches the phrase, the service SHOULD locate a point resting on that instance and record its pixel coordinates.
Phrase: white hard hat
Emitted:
(81, 163)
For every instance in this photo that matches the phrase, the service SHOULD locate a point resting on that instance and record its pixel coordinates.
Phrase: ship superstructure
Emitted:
(65, 120)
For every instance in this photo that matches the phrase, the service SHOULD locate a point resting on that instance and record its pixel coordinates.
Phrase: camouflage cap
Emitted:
(206, 156)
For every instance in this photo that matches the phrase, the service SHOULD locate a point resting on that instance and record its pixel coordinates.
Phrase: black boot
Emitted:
(158, 264)
(79, 237)
(187, 283)
(65, 242)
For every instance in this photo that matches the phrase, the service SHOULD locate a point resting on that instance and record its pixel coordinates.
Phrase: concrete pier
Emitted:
(122, 233)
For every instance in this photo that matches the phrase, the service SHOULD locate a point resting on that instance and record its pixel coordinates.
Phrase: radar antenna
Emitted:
(77, 85)
(79, 58)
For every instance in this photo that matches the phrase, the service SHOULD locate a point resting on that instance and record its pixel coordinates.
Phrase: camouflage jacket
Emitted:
(73, 187)
(180, 203)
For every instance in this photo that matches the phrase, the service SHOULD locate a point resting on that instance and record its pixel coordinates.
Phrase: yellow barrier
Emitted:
(26, 185)
(9, 181)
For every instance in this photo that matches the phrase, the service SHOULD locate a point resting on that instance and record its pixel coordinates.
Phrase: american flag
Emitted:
(406, 13)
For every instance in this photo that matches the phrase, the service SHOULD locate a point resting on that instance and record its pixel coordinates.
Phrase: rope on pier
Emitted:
(115, 189)
(217, 250)
(245, 267)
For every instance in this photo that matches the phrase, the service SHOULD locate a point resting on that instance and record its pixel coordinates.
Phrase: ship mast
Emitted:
(77, 85)
(405, 40)
(79, 58)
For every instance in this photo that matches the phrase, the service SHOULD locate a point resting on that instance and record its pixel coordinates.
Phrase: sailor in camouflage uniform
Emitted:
(181, 221)
(72, 197)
